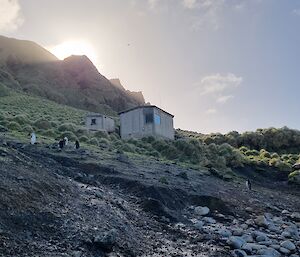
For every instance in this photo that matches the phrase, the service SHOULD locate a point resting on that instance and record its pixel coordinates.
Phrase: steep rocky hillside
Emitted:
(136, 95)
(74, 81)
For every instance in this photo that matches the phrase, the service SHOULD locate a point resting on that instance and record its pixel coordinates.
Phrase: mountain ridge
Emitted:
(74, 81)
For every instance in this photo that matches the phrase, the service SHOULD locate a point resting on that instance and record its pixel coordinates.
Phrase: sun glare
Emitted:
(74, 47)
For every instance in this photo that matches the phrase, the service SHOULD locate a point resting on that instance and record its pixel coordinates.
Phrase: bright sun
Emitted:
(74, 47)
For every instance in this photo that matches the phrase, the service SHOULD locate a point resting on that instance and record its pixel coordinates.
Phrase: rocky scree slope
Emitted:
(96, 203)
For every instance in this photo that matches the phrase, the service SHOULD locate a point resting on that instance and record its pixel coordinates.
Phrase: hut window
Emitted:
(93, 122)
(157, 119)
(149, 117)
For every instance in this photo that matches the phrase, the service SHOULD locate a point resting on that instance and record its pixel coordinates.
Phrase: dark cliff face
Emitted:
(75, 81)
(138, 96)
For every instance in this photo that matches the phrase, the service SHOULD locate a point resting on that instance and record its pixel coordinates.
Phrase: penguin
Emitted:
(33, 138)
(61, 144)
(248, 184)
(66, 140)
(77, 145)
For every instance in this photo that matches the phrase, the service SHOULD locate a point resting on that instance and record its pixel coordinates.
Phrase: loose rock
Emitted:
(202, 210)
(288, 245)
(236, 242)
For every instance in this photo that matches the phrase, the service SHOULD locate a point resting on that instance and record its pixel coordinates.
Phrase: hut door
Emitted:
(148, 121)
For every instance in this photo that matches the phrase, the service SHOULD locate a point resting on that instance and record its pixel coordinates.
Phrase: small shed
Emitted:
(146, 120)
(99, 122)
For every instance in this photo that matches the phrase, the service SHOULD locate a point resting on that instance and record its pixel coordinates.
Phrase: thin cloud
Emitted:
(193, 4)
(211, 111)
(190, 4)
(208, 14)
(224, 99)
(296, 12)
(153, 3)
(218, 83)
(10, 15)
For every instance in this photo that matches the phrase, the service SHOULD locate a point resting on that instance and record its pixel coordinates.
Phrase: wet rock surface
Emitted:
(91, 204)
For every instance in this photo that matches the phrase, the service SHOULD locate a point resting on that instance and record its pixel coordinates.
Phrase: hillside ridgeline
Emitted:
(75, 81)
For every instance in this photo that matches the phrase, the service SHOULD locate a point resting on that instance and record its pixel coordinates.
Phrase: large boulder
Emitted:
(202, 211)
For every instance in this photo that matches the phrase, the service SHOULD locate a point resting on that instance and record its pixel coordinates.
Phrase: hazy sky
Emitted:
(217, 65)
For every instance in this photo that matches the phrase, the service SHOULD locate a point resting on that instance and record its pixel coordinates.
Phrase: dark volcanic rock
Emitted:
(106, 240)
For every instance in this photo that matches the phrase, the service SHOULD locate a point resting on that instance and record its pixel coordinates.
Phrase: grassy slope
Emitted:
(20, 114)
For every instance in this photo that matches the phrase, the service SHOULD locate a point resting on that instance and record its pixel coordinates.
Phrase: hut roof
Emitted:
(145, 106)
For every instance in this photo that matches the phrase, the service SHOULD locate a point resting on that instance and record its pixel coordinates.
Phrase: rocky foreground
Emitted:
(93, 203)
(263, 235)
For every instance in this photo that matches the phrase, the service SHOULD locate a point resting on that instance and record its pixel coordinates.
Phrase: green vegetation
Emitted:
(265, 148)
(294, 177)
(21, 114)
(282, 140)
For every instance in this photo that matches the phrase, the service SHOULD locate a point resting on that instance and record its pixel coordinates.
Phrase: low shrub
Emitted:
(113, 137)
(103, 141)
(273, 162)
(4, 90)
(282, 166)
(28, 129)
(50, 133)
(243, 149)
(275, 155)
(42, 124)
(149, 139)
(67, 127)
(294, 178)
(153, 153)
(94, 141)
(69, 134)
(21, 119)
(265, 154)
(14, 126)
(100, 134)
(53, 124)
(81, 132)
(127, 148)
(83, 139)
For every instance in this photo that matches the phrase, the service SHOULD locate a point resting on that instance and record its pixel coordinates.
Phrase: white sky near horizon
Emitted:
(217, 65)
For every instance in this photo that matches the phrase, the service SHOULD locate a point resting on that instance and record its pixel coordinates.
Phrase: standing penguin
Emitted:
(33, 138)
(77, 145)
(248, 184)
(66, 141)
(61, 143)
